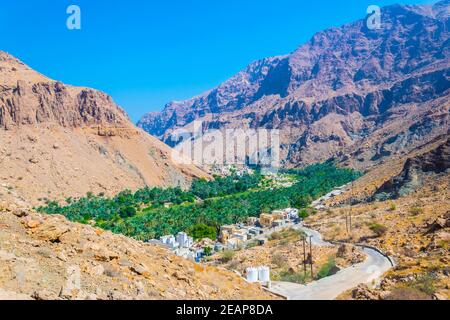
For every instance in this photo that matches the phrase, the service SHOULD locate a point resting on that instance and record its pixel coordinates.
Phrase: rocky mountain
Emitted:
(436, 161)
(62, 141)
(351, 93)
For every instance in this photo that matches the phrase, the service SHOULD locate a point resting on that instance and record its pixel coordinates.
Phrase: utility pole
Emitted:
(311, 256)
(351, 208)
(304, 255)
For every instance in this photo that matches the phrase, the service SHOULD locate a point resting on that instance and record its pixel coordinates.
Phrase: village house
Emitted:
(279, 223)
(293, 213)
(280, 214)
(226, 232)
(266, 220)
(184, 240)
(170, 241)
(234, 243)
(240, 234)
(255, 231)
(251, 221)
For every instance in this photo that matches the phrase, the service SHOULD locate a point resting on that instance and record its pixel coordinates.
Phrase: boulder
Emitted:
(51, 231)
(362, 292)
(105, 255)
(140, 269)
(44, 294)
(20, 213)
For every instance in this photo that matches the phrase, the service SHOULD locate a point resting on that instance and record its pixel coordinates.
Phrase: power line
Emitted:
(311, 256)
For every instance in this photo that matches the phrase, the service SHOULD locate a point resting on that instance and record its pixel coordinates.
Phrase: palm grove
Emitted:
(152, 212)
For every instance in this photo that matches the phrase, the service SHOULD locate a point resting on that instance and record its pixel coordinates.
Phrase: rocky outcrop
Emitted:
(350, 93)
(29, 98)
(54, 102)
(349, 254)
(439, 224)
(46, 257)
(411, 178)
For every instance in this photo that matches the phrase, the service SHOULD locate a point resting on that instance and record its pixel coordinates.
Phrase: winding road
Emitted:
(330, 287)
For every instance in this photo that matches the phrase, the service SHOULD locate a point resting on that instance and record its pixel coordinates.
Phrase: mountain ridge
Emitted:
(318, 78)
(62, 141)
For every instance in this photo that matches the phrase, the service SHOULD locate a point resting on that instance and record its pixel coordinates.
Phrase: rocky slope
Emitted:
(352, 93)
(47, 257)
(413, 227)
(59, 141)
(412, 175)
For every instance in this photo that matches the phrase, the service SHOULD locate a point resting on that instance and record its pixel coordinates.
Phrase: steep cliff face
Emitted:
(243, 89)
(411, 177)
(353, 93)
(61, 141)
(29, 98)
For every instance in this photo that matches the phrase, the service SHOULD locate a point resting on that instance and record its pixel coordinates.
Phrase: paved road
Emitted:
(316, 237)
(330, 287)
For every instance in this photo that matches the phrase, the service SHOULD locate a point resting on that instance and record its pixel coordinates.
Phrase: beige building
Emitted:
(225, 233)
(266, 220)
(251, 221)
(280, 214)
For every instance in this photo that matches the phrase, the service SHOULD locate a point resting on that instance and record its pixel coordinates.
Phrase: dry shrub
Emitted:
(378, 229)
(407, 293)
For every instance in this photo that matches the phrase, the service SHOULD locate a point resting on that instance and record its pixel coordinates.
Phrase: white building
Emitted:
(264, 274)
(170, 241)
(240, 236)
(234, 243)
(256, 231)
(293, 213)
(184, 240)
(279, 223)
(185, 253)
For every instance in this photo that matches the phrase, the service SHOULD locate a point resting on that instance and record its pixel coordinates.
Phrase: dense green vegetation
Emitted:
(202, 231)
(126, 204)
(328, 269)
(224, 186)
(144, 215)
(293, 276)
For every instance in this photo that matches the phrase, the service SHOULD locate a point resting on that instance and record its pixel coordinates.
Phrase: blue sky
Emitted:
(146, 52)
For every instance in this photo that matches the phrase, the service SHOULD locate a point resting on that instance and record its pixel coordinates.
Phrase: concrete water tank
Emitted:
(264, 274)
(252, 275)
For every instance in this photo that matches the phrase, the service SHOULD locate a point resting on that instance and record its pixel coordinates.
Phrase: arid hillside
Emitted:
(61, 141)
(410, 222)
(48, 257)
